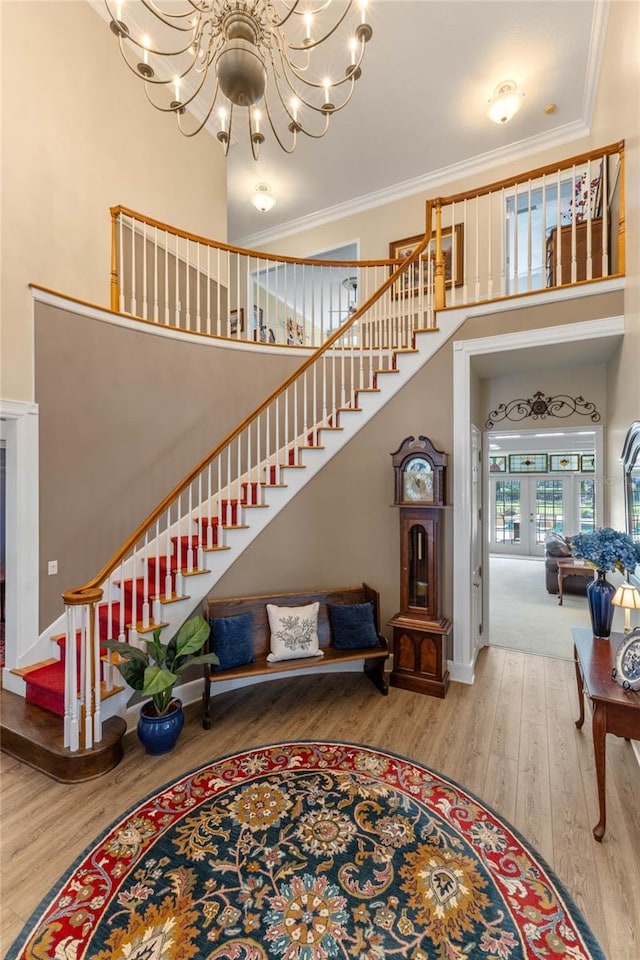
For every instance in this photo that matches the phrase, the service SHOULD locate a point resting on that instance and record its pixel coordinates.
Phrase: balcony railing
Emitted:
(552, 226)
(549, 227)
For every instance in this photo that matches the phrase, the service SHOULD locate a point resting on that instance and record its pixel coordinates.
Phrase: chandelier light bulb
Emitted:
(198, 57)
(505, 103)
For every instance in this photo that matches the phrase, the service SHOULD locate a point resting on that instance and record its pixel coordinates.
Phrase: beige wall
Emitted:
(340, 529)
(617, 115)
(588, 381)
(616, 118)
(124, 415)
(75, 142)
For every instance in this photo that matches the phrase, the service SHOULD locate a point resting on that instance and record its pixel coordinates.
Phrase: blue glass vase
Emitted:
(599, 596)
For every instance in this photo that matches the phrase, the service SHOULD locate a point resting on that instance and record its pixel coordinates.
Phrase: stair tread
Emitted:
(25, 671)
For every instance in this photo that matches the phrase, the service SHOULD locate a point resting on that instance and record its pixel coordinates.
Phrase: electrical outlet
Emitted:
(52, 568)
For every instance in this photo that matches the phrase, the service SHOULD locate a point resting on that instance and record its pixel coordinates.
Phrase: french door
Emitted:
(524, 509)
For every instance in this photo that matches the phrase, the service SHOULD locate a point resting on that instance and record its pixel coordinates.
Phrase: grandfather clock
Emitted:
(421, 634)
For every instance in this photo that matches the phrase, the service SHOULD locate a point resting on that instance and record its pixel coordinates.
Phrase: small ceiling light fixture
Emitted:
(263, 200)
(220, 56)
(505, 103)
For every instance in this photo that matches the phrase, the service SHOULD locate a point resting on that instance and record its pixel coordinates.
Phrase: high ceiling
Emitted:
(418, 119)
(418, 115)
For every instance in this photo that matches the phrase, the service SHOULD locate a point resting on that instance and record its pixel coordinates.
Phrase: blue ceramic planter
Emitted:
(160, 734)
(599, 596)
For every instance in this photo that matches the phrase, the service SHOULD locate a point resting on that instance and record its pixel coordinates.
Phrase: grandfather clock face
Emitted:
(417, 481)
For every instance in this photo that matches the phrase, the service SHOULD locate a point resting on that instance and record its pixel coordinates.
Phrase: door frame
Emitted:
(462, 667)
(21, 596)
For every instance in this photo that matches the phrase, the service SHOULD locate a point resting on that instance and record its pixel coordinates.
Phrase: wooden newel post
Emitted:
(82, 724)
(621, 221)
(115, 286)
(438, 280)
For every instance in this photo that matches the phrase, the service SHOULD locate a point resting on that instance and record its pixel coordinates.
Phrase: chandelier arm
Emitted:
(287, 69)
(171, 20)
(157, 13)
(329, 33)
(296, 4)
(301, 129)
(204, 121)
(294, 69)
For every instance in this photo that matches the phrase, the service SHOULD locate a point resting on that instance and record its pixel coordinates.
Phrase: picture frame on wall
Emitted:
(452, 248)
(236, 322)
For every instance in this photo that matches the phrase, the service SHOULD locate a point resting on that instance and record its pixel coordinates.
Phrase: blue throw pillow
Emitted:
(353, 626)
(231, 640)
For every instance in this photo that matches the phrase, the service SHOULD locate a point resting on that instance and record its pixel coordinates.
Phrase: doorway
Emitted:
(522, 511)
(567, 344)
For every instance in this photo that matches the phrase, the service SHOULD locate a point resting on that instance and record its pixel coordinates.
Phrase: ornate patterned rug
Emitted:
(309, 851)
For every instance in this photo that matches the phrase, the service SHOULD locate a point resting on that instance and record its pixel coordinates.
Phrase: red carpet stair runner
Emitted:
(45, 681)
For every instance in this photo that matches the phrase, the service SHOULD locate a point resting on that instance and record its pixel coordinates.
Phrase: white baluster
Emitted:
(134, 306)
(121, 268)
(155, 274)
(166, 278)
(145, 582)
(145, 304)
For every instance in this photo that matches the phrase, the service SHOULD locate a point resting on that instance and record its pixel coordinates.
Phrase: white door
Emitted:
(476, 538)
(524, 509)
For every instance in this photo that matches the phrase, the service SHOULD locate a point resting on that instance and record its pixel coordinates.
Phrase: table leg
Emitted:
(580, 720)
(599, 728)
(560, 583)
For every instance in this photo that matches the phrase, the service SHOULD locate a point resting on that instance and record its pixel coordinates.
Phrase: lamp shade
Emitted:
(505, 103)
(627, 596)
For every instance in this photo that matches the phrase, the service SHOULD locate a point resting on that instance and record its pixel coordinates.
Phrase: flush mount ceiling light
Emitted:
(263, 200)
(505, 103)
(256, 56)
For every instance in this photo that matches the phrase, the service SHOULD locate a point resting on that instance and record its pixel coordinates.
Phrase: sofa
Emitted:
(555, 547)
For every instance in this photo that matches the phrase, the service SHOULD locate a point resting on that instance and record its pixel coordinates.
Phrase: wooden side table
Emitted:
(615, 710)
(570, 567)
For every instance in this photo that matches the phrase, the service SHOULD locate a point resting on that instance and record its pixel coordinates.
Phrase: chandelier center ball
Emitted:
(241, 73)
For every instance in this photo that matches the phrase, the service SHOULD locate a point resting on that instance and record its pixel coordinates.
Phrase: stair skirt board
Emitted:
(44, 686)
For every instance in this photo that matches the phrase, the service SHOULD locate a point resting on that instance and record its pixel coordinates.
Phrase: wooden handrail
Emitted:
(534, 174)
(257, 254)
(72, 596)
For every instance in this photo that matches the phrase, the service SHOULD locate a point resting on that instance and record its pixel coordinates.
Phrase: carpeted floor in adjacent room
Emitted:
(523, 616)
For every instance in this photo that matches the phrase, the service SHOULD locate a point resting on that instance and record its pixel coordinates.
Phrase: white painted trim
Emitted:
(94, 312)
(463, 351)
(427, 183)
(21, 605)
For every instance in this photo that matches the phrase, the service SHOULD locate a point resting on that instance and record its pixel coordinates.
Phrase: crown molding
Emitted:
(427, 183)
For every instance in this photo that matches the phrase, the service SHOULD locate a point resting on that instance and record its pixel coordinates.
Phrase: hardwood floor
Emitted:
(510, 738)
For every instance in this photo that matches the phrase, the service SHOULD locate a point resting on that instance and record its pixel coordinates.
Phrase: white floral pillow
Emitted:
(294, 632)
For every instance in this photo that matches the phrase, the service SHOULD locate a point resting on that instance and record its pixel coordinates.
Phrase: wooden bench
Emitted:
(374, 657)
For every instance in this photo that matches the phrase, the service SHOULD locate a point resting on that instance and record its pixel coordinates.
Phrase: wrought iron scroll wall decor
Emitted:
(539, 407)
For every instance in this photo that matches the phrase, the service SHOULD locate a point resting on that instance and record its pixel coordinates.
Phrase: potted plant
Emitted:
(154, 672)
(606, 550)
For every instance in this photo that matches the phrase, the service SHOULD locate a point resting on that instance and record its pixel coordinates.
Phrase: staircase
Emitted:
(65, 711)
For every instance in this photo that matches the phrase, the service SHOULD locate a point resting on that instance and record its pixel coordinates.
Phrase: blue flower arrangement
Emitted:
(606, 549)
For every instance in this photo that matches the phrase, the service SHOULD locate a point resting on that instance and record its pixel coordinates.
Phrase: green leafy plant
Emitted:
(155, 672)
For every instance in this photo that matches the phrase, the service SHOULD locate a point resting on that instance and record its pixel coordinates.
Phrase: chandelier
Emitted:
(208, 60)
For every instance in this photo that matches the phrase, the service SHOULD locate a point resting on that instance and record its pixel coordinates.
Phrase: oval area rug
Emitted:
(308, 851)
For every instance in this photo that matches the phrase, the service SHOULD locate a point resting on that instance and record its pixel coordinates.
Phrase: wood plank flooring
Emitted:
(510, 738)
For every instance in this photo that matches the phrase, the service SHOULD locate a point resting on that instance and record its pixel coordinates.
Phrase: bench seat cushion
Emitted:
(353, 626)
